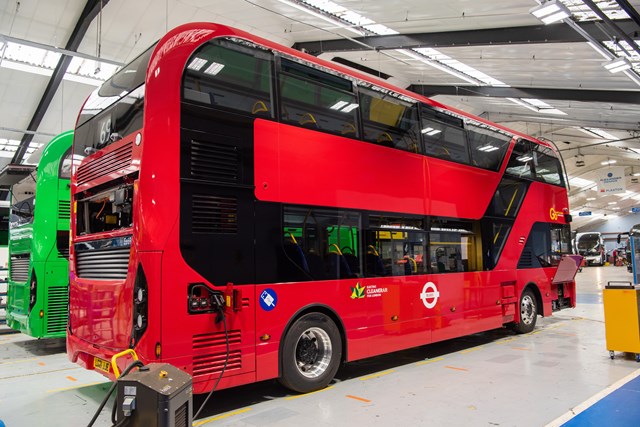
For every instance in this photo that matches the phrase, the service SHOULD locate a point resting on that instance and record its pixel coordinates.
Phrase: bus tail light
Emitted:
(140, 306)
(33, 291)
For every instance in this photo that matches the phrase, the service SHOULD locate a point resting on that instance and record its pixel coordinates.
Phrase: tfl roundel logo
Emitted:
(429, 295)
(609, 175)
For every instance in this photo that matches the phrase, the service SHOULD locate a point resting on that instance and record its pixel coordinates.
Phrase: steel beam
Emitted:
(91, 10)
(635, 16)
(585, 95)
(556, 33)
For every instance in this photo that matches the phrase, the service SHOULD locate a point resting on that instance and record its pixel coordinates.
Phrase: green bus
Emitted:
(38, 279)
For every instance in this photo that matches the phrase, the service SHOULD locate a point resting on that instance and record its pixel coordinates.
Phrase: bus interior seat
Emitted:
(385, 139)
(374, 263)
(294, 252)
(307, 119)
(337, 267)
(259, 108)
(316, 266)
(348, 129)
(352, 260)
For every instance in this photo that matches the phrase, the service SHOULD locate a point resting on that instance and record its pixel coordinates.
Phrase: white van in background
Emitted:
(591, 247)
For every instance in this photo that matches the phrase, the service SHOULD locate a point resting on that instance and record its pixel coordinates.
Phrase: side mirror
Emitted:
(568, 218)
(618, 239)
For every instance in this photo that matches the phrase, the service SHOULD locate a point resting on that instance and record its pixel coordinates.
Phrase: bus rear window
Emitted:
(120, 84)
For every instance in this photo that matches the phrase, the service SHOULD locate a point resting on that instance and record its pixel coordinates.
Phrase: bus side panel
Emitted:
(396, 318)
(467, 303)
(289, 161)
(449, 185)
(196, 342)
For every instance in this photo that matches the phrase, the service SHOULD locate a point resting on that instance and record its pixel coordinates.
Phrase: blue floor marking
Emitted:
(620, 409)
(589, 299)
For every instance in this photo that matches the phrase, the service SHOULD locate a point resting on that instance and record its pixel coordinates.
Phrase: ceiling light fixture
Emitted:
(335, 21)
(617, 65)
(550, 12)
(608, 162)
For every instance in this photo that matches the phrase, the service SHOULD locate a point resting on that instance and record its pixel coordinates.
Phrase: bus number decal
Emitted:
(268, 299)
(105, 131)
(429, 295)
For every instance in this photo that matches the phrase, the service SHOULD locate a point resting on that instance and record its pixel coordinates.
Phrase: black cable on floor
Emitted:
(224, 367)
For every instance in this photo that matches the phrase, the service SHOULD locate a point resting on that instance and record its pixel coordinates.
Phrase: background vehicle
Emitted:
(267, 214)
(591, 247)
(38, 285)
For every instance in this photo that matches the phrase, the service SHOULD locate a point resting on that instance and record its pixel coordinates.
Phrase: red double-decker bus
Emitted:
(246, 211)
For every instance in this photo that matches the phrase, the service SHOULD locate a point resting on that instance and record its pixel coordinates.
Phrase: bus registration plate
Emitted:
(103, 365)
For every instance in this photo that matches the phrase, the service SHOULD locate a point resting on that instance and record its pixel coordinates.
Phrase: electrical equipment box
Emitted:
(621, 321)
(157, 394)
(634, 246)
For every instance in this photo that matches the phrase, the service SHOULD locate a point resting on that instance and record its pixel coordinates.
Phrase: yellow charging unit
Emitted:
(622, 318)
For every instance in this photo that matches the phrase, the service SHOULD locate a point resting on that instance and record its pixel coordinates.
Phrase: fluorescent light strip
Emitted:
(338, 105)
(214, 68)
(196, 64)
(41, 61)
(349, 108)
(559, 16)
(321, 16)
(598, 132)
(581, 182)
(435, 64)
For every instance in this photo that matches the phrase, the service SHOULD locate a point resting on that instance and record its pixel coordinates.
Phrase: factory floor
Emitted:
(561, 374)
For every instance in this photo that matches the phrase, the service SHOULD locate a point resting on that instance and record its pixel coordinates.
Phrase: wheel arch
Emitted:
(536, 293)
(314, 308)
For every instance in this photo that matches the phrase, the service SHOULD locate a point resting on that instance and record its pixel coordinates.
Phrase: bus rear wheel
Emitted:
(528, 313)
(311, 353)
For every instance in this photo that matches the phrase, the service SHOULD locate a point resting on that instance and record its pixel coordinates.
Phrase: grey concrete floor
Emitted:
(490, 379)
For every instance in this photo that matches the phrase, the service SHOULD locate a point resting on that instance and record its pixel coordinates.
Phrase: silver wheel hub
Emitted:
(313, 352)
(528, 310)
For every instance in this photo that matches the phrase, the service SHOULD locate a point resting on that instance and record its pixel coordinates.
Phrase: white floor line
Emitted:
(593, 400)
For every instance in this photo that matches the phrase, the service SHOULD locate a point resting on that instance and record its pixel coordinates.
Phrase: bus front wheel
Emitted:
(311, 353)
(528, 313)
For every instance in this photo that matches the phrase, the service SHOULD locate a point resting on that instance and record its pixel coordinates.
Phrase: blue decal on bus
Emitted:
(268, 299)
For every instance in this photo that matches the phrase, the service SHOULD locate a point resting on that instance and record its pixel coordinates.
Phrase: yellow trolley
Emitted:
(622, 318)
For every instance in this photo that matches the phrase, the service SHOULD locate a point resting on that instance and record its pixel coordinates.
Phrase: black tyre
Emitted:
(528, 313)
(311, 353)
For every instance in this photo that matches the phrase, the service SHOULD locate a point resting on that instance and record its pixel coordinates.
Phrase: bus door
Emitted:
(396, 270)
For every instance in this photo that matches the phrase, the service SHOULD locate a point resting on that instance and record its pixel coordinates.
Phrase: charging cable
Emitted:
(219, 316)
